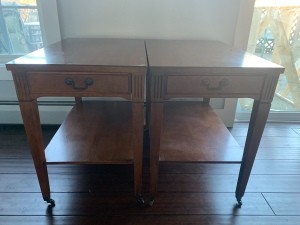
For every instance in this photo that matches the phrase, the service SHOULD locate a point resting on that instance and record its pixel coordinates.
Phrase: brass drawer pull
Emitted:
(87, 82)
(207, 84)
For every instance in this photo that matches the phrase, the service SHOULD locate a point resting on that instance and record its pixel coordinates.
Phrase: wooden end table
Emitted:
(94, 132)
(183, 131)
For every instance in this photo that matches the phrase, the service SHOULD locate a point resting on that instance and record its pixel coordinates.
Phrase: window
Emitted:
(48, 32)
(275, 36)
(24, 27)
(19, 27)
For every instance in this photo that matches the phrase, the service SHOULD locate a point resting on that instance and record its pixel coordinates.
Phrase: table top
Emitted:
(86, 51)
(202, 53)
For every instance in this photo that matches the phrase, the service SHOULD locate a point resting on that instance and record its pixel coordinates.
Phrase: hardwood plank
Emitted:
(167, 183)
(126, 219)
(25, 165)
(261, 167)
(108, 183)
(16, 152)
(227, 183)
(14, 135)
(16, 165)
(216, 220)
(284, 203)
(271, 142)
(274, 167)
(196, 183)
(12, 129)
(269, 132)
(274, 183)
(66, 204)
(280, 153)
(199, 168)
(67, 220)
(271, 125)
(103, 204)
(208, 204)
(13, 140)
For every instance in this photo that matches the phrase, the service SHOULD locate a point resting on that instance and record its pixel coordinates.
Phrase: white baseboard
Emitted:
(10, 114)
(54, 112)
(288, 117)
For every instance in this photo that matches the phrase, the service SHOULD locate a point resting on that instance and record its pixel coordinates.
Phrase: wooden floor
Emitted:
(188, 193)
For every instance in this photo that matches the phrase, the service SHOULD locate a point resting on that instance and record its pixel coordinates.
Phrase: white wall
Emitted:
(168, 19)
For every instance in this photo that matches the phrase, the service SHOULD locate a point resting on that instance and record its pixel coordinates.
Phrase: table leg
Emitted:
(138, 128)
(156, 119)
(257, 123)
(31, 120)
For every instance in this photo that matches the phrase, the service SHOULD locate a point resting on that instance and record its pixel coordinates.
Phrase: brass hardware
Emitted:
(87, 82)
(223, 83)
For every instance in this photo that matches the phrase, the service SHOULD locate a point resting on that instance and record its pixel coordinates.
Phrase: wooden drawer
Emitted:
(79, 84)
(213, 85)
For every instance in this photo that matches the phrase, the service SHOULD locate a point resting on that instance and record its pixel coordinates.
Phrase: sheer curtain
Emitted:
(275, 35)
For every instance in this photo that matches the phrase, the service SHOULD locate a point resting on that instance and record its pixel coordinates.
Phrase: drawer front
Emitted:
(79, 83)
(213, 85)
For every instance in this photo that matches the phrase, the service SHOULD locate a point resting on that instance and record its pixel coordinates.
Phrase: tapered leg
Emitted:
(138, 129)
(31, 120)
(258, 120)
(156, 119)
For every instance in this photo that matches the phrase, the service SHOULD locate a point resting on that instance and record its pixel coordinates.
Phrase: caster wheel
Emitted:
(239, 203)
(140, 201)
(50, 201)
(151, 202)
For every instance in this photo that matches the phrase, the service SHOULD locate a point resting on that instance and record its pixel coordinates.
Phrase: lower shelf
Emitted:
(94, 132)
(192, 132)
